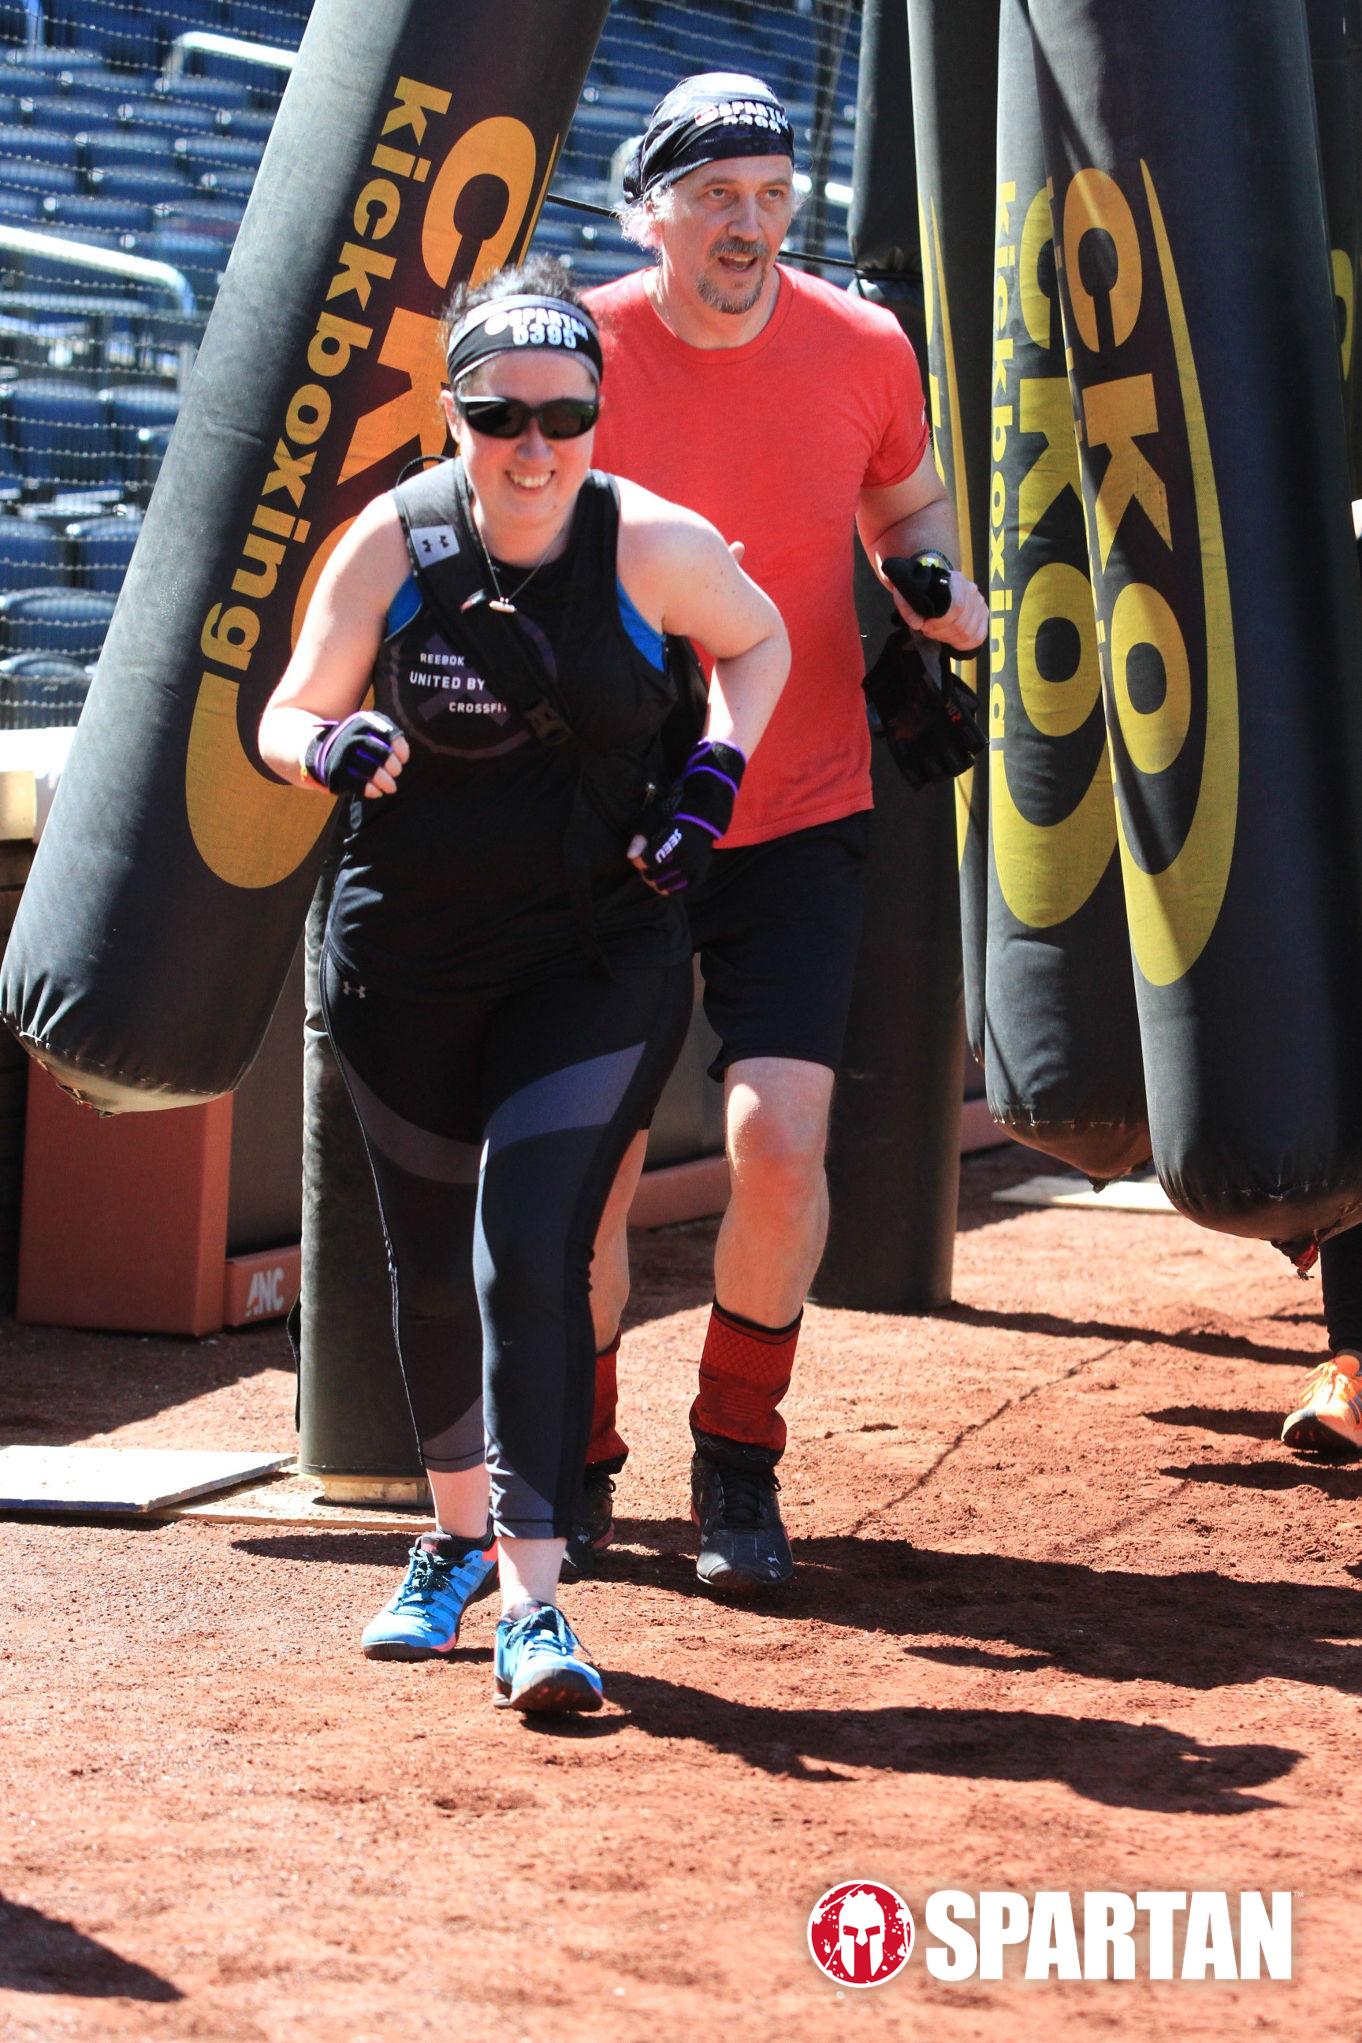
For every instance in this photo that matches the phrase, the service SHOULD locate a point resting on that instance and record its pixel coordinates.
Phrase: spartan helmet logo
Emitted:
(860, 1923)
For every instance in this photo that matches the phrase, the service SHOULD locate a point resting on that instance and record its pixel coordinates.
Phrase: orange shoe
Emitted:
(1328, 1418)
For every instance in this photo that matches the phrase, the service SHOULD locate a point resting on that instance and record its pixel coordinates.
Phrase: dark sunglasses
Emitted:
(506, 418)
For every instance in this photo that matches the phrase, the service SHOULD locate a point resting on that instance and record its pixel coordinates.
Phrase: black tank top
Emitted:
(461, 878)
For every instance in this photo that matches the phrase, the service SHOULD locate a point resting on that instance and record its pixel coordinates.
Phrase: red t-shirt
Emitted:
(773, 442)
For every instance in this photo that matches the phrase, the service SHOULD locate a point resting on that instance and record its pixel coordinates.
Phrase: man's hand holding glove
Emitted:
(362, 754)
(927, 716)
(674, 854)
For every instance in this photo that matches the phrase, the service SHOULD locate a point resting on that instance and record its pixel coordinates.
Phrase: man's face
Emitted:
(722, 227)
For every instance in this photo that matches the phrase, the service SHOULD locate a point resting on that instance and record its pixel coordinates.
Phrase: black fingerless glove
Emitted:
(927, 717)
(679, 846)
(922, 579)
(345, 756)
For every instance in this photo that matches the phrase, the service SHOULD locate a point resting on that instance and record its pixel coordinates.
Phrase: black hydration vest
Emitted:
(503, 850)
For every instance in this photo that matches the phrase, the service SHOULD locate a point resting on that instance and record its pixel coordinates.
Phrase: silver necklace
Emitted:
(500, 601)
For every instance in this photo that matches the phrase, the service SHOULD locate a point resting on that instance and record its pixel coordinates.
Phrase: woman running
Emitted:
(506, 974)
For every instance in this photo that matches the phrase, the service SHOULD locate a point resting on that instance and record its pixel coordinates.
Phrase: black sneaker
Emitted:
(594, 1526)
(743, 1545)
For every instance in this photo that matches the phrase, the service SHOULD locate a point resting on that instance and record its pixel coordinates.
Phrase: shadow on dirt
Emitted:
(61, 1384)
(41, 1954)
(1125, 1766)
(1197, 1341)
(1341, 1479)
(1200, 1630)
(341, 1548)
(1216, 1419)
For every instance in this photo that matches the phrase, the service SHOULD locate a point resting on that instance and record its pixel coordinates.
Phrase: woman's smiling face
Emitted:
(524, 488)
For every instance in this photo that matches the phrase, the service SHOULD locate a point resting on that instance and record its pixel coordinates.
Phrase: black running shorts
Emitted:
(777, 927)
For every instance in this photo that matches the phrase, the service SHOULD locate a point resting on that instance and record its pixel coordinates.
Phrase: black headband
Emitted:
(502, 325)
(702, 120)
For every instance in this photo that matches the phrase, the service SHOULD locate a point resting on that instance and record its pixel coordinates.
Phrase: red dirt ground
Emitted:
(1067, 1616)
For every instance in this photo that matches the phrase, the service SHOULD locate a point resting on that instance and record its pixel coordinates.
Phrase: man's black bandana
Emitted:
(702, 120)
(504, 325)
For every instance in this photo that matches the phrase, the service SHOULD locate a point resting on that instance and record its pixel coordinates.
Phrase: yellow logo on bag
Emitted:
(1049, 855)
(250, 829)
(1158, 560)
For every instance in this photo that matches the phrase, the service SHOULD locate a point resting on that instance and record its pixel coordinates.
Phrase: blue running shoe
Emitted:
(540, 1665)
(444, 1575)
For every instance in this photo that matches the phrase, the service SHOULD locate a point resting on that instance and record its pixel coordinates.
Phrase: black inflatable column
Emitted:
(953, 47)
(1199, 311)
(894, 1153)
(1336, 58)
(1062, 1046)
(414, 142)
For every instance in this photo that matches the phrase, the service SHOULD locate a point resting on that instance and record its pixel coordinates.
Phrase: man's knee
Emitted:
(778, 1129)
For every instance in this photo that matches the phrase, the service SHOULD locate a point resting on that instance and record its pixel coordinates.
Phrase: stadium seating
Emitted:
(71, 622)
(130, 409)
(99, 550)
(60, 433)
(31, 556)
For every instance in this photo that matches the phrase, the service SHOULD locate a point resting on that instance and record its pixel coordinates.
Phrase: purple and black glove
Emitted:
(345, 756)
(676, 852)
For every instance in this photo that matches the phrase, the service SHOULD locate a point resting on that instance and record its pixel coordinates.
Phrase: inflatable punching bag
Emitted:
(894, 1146)
(412, 148)
(953, 47)
(1061, 1044)
(1336, 60)
(1198, 309)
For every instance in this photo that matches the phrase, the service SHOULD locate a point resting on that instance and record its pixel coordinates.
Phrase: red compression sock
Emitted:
(605, 1444)
(744, 1373)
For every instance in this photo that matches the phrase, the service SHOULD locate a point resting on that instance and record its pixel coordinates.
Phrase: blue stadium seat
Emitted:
(41, 691)
(170, 117)
(69, 113)
(183, 17)
(15, 21)
(55, 60)
(132, 408)
(250, 124)
(266, 23)
(195, 213)
(150, 187)
(21, 209)
(212, 92)
(71, 622)
(29, 83)
(40, 178)
(228, 184)
(60, 435)
(152, 442)
(37, 145)
(119, 31)
(117, 86)
(127, 147)
(31, 556)
(84, 210)
(100, 549)
(200, 257)
(202, 155)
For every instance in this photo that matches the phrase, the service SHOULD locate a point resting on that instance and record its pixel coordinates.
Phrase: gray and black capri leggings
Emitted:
(501, 1118)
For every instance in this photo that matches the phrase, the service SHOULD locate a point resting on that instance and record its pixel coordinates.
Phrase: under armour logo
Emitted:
(434, 542)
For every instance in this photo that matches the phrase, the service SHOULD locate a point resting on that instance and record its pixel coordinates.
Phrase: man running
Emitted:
(787, 413)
